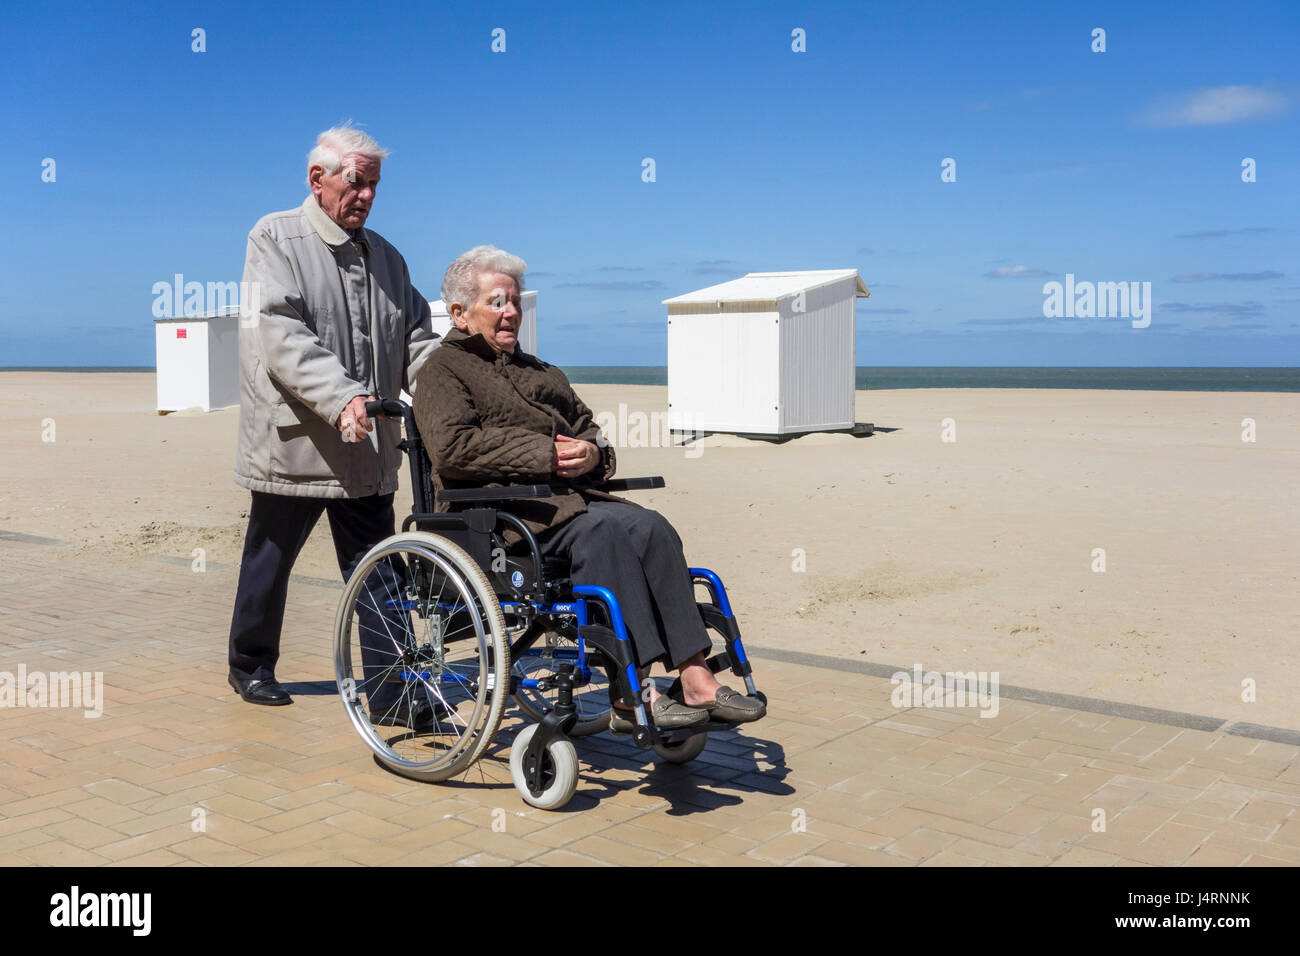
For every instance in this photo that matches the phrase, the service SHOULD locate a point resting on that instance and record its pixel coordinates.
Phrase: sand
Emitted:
(899, 548)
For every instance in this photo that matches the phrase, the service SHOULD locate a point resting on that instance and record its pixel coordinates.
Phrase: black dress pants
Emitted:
(278, 527)
(637, 554)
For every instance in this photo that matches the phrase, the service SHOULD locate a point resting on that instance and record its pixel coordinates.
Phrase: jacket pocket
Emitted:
(290, 414)
(304, 447)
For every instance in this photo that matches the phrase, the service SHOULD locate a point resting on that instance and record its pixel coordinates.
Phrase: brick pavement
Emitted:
(178, 771)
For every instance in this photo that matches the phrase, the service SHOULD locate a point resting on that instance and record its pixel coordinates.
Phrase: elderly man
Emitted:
(490, 413)
(336, 323)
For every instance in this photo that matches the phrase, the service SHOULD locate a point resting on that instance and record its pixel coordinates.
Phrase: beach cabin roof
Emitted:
(769, 287)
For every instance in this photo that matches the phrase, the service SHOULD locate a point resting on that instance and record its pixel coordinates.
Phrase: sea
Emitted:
(874, 379)
(1279, 379)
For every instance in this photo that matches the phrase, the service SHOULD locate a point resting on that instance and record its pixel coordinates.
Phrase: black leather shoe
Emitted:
(268, 692)
(420, 715)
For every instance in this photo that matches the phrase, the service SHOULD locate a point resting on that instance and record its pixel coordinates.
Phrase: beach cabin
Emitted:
(197, 360)
(768, 354)
(527, 331)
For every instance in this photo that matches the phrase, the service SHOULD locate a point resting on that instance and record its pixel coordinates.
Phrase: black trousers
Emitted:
(637, 554)
(278, 527)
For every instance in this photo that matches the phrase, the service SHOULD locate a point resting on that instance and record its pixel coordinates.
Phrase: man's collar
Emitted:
(331, 232)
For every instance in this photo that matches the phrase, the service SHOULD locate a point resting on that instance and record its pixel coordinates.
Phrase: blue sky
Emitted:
(1115, 166)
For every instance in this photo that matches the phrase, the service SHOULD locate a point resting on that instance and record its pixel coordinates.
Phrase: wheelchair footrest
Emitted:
(678, 734)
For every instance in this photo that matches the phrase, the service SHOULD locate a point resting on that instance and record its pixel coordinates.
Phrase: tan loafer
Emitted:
(729, 705)
(665, 713)
(669, 714)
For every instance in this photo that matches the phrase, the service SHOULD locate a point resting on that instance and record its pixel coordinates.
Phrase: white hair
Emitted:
(460, 284)
(341, 141)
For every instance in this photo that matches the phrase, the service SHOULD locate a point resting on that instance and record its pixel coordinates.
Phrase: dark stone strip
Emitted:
(223, 566)
(1260, 732)
(28, 538)
(1152, 715)
(1091, 705)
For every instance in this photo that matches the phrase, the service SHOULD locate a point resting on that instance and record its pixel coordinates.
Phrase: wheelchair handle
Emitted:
(386, 408)
(421, 484)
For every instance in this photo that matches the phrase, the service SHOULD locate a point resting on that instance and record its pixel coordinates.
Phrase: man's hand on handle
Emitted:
(574, 457)
(354, 423)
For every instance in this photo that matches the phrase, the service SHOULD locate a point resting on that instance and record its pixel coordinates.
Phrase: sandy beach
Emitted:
(901, 548)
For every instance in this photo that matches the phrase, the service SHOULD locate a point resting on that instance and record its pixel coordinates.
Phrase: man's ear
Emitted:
(314, 175)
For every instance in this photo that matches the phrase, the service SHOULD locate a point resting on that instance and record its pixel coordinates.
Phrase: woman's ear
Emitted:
(457, 312)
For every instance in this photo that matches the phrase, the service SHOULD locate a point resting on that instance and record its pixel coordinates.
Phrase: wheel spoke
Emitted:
(430, 597)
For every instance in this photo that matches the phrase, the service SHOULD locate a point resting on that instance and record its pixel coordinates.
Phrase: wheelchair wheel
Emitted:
(684, 750)
(592, 699)
(560, 770)
(420, 639)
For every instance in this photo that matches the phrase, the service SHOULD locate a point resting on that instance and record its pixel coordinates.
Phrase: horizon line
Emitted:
(154, 368)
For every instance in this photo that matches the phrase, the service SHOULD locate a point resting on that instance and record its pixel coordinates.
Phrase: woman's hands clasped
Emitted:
(574, 457)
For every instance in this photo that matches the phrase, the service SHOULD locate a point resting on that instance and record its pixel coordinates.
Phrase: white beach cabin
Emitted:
(197, 360)
(771, 353)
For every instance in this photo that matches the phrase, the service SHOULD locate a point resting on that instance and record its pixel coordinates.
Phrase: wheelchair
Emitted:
(440, 626)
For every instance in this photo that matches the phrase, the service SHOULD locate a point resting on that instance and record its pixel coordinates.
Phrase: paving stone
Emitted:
(849, 780)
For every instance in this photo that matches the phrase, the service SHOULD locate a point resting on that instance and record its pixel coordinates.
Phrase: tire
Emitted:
(562, 770)
(434, 634)
(683, 751)
(592, 699)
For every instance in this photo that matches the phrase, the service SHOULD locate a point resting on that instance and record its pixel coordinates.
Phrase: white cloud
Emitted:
(1217, 106)
(1015, 272)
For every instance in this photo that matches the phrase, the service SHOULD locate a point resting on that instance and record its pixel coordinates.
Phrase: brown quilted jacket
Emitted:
(490, 419)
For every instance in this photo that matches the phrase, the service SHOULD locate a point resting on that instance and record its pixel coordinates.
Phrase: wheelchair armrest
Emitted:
(508, 493)
(631, 484)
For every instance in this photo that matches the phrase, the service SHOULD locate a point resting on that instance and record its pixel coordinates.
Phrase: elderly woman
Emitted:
(492, 414)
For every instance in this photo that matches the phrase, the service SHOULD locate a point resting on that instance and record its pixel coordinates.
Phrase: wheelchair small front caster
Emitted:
(559, 770)
(683, 750)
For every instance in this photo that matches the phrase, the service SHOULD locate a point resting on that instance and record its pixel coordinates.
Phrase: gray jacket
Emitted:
(327, 319)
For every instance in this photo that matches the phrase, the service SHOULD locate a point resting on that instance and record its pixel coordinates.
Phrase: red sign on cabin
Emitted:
(180, 333)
